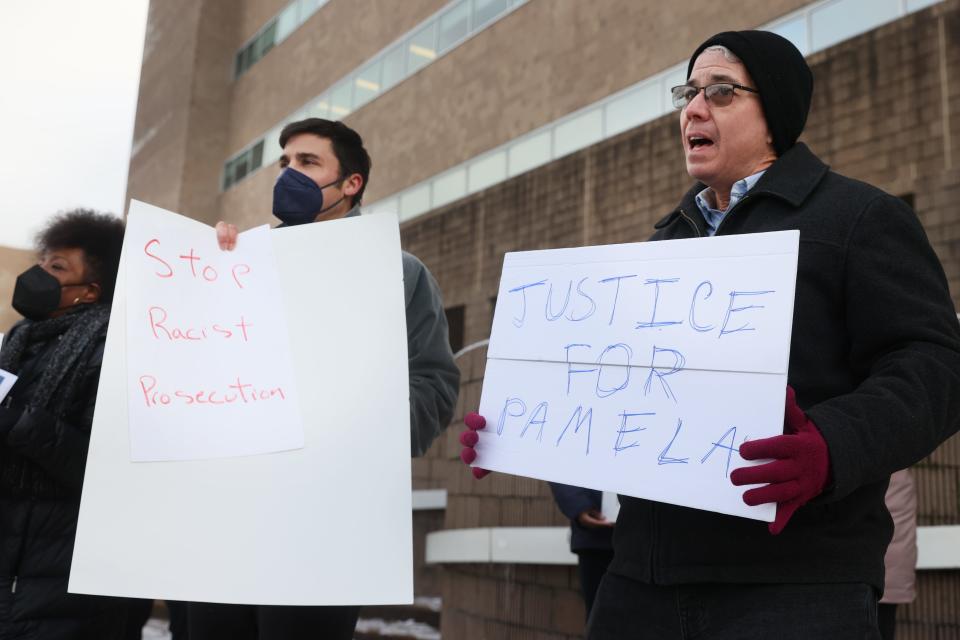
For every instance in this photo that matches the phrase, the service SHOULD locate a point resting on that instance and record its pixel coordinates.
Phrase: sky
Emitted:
(69, 75)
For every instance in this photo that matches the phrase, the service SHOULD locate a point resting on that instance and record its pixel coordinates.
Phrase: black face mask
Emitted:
(37, 293)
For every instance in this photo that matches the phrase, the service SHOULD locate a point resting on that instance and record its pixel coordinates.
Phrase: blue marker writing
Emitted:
(663, 458)
(518, 322)
(654, 323)
(731, 433)
(622, 431)
(537, 419)
(583, 294)
(603, 392)
(511, 402)
(570, 369)
(616, 295)
(660, 373)
(580, 417)
(693, 306)
(731, 310)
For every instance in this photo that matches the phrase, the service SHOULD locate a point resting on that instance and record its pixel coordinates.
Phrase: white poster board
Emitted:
(208, 351)
(280, 528)
(641, 368)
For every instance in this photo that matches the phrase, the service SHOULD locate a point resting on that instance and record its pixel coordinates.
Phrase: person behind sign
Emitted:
(874, 377)
(45, 421)
(325, 169)
(591, 535)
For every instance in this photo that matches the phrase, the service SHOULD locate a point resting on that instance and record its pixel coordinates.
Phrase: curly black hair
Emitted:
(99, 235)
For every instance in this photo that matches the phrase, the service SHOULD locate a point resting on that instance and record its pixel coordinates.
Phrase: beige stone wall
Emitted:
(545, 60)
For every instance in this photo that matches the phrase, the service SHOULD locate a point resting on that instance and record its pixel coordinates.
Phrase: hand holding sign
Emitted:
(799, 471)
(226, 236)
(469, 440)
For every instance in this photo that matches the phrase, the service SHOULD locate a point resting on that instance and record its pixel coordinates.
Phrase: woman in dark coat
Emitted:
(45, 424)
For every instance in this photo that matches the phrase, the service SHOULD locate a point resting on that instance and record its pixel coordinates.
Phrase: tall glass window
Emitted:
(341, 97)
(422, 47)
(287, 21)
(394, 67)
(486, 10)
(454, 25)
(795, 31)
(840, 20)
(367, 84)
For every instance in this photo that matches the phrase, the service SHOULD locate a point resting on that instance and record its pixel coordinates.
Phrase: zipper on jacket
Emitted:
(653, 543)
(696, 229)
(18, 560)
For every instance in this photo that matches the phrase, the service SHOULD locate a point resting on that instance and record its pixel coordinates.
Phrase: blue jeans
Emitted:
(629, 610)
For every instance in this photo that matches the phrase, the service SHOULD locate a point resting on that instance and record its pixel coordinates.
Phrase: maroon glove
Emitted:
(799, 471)
(469, 440)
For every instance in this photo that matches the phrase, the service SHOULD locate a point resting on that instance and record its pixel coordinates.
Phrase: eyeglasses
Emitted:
(719, 94)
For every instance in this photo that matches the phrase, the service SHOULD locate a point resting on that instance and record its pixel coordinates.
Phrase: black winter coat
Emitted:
(875, 362)
(38, 516)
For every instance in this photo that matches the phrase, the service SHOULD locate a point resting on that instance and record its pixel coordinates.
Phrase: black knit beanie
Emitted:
(779, 73)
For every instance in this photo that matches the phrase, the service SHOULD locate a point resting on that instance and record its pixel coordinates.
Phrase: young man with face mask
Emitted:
(325, 171)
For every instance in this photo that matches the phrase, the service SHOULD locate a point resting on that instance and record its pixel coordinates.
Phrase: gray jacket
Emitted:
(434, 377)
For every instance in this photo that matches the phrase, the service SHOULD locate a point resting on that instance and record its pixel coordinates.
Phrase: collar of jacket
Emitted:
(792, 178)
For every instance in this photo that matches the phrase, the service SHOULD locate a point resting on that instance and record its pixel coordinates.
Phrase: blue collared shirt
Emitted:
(713, 216)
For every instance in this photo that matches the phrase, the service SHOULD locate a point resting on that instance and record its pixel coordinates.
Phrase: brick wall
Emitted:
(886, 110)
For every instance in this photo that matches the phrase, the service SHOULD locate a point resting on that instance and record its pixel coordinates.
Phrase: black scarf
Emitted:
(57, 350)
(75, 332)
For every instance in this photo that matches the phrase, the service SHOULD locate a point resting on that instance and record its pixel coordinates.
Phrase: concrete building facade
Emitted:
(513, 125)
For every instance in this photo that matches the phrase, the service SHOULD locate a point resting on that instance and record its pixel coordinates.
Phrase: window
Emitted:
(243, 164)
(454, 25)
(578, 132)
(341, 97)
(309, 7)
(394, 67)
(840, 20)
(486, 10)
(271, 145)
(367, 84)
(529, 153)
(449, 187)
(422, 47)
(433, 37)
(265, 41)
(256, 156)
(243, 60)
(795, 31)
(414, 201)
(633, 108)
(455, 323)
(486, 171)
(287, 21)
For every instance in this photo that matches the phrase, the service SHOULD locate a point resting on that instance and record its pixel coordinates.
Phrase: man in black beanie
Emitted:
(874, 377)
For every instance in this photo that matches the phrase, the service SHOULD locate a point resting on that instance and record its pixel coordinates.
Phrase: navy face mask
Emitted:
(297, 199)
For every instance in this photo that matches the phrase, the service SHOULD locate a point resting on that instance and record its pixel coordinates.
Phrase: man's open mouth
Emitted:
(698, 141)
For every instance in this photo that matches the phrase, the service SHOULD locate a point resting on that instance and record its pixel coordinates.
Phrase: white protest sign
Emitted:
(268, 529)
(641, 368)
(208, 351)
